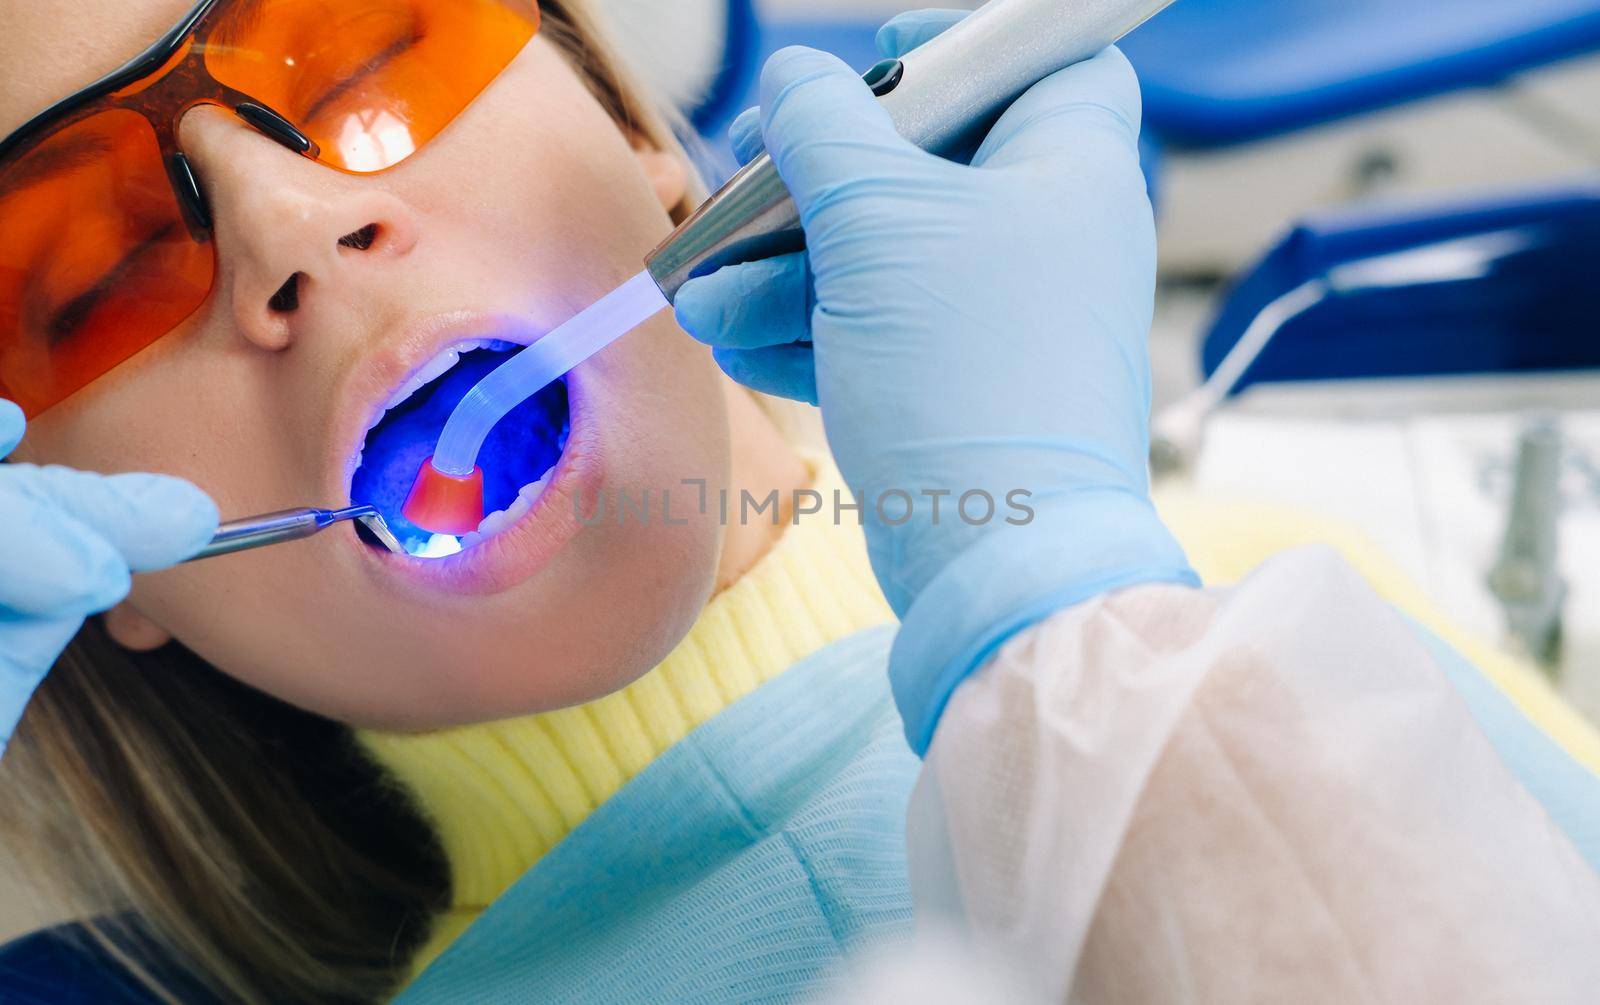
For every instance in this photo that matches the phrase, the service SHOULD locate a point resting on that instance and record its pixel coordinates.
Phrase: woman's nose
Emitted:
(294, 239)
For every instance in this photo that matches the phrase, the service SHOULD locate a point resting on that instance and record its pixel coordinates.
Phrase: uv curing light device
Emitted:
(944, 97)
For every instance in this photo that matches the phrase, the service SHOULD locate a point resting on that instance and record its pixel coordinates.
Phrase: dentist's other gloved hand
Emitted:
(977, 331)
(69, 541)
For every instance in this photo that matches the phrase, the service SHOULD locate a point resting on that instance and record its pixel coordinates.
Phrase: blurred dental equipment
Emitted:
(1526, 579)
(942, 96)
(1177, 432)
(1376, 369)
(293, 525)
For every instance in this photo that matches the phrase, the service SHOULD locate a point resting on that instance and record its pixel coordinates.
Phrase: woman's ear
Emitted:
(132, 630)
(668, 175)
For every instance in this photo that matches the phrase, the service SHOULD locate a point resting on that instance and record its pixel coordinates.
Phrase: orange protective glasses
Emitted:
(104, 230)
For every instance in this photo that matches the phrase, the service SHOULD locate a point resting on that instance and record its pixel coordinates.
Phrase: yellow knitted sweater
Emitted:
(501, 795)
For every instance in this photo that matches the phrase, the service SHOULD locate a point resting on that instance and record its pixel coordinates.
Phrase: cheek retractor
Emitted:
(944, 97)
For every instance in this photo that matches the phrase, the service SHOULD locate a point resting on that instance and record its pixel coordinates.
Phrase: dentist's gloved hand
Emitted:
(965, 330)
(68, 542)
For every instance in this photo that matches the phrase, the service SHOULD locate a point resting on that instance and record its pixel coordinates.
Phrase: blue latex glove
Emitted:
(69, 541)
(966, 329)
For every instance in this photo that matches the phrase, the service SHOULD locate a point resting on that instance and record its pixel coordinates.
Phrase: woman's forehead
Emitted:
(51, 48)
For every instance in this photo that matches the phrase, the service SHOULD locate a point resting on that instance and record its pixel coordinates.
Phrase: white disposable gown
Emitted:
(1263, 793)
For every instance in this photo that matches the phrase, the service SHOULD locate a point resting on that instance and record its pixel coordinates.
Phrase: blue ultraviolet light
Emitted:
(437, 546)
(521, 448)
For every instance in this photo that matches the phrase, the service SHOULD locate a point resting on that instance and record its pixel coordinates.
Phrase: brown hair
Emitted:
(192, 819)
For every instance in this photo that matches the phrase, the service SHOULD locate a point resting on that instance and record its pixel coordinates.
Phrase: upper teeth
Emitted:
(438, 366)
(435, 368)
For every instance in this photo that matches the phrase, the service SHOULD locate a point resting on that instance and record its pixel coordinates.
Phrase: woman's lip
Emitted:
(517, 553)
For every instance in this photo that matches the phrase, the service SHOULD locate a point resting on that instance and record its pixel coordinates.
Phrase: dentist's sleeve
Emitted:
(1265, 793)
(1154, 793)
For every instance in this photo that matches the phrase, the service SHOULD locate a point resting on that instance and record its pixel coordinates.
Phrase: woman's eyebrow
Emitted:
(242, 16)
(406, 41)
(63, 155)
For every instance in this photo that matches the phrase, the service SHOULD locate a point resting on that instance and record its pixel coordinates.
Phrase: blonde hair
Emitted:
(192, 819)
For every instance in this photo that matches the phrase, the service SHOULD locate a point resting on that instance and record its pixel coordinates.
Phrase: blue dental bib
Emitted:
(740, 866)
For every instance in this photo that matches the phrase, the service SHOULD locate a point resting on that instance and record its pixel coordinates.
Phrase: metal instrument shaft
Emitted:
(293, 525)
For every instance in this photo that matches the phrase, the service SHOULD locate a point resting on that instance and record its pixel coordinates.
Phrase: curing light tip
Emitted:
(445, 504)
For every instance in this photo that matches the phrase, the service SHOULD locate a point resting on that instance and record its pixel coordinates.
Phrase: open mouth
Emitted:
(516, 459)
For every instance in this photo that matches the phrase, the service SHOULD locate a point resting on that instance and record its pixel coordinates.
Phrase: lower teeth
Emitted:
(501, 520)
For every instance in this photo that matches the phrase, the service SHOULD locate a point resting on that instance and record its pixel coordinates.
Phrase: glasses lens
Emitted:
(369, 81)
(97, 261)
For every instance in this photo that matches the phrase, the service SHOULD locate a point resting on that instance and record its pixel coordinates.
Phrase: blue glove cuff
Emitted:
(1074, 550)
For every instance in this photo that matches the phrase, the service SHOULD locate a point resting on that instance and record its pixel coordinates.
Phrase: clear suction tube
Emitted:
(532, 369)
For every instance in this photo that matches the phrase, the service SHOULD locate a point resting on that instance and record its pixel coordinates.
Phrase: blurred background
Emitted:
(1380, 284)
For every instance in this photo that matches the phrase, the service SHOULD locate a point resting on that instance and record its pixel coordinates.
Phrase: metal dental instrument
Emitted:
(943, 96)
(292, 525)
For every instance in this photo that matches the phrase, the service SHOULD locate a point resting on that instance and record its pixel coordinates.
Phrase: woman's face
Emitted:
(529, 206)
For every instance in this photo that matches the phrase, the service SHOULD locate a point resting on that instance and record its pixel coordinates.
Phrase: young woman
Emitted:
(272, 850)
(1138, 789)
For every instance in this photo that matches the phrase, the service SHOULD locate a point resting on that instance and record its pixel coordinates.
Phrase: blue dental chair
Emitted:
(1221, 73)
(1501, 284)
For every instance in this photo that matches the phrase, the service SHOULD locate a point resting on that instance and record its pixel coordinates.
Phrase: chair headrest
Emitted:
(679, 48)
